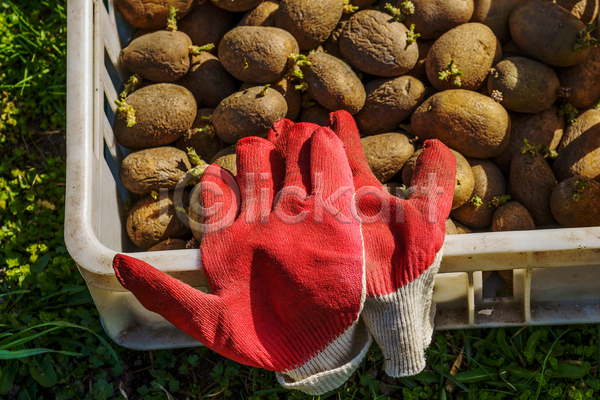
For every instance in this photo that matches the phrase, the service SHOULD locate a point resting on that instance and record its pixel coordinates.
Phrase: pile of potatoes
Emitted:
(511, 86)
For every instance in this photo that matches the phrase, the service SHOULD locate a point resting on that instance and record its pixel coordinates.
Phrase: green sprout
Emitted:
(429, 108)
(172, 21)
(132, 84)
(307, 101)
(585, 40)
(405, 189)
(195, 50)
(154, 194)
(246, 66)
(207, 118)
(301, 87)
(497, 96)
(199, 166)
(192, 244)
(406, 127)
(580, 185)
(297, 61)
(127, 111)
(451, 72)
(568, 110)
(476, 200)
(399, 13)
(564, 92)
(411, 36)
(538, 149)
(349, 8)
(264, 90)
(498, 201)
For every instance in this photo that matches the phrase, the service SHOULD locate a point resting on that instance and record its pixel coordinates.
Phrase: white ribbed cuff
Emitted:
(333, 366)
(402, 323)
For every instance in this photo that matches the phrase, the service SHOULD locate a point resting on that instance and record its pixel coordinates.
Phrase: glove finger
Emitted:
(260, 176)
(432, 185)
(344, 126)
(293, 145)
(330, 172)
(220, 197)
(197, 314)
(283, 125)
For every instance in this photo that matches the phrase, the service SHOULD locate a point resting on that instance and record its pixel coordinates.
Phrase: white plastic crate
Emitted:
(556, 272)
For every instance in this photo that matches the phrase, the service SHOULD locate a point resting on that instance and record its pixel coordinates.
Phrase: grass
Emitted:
(52, 345)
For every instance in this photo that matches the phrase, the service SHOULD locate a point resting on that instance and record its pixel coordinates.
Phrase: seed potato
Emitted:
(495, 15)
(163, 113)
(333, 84)
(201, 136)
(169, 244)
(332, 44)
(226, 158)
(588, 119)
(263, 15)
(544, 128)
(160, 56)
(468, 122)
(149, 14)
(309, 21)
(583, 79)
(547, 32)
(488, 183)
(206, 24)
(152, 169)
(152, 221)
(386, 153)
(316, 114)
(531, 184)
(433, 18)
(575, 202)
(388, 103)
(512, 216)
(376, 44)
(474, 49)
(208, 81)
(236, 5)
(257, 54)
(451, 229)
(251, 112)
(463, 187)
(292, 97)
(419, 70)
(527, 86)
(585, 10)
(581, 156)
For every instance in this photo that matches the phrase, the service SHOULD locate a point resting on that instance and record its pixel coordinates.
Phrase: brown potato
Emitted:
(333, 84)
(332, 44)
(575, 202)
(386, 153)
(160, 56)
(362, 4)
(208, 81)
(201, 136)
(433, 18)
(527, 86)
(451, 229)
(544, 128)
(585, 10)
(149, 14)
(580, 155)
(547, 32)
(462, 229)
(531, 183)
(463, 187)
(512, 216)
(474, 49)
(376, 44)
(163, 113)
(257, 54)
(489, 183)
(309, 21)
(226, 158)
(468, 122)
(206, 24)
(510, 49)
(292, 97)
(495, 14)
(248, 113)
(262, 15)
(389, 102)
(589, 119)
(236, 5)
(151, 221)
(583, 79)
(169, 244)
(316, 114)
(152, 169)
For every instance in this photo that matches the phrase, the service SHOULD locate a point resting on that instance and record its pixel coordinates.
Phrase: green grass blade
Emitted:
(12, 354)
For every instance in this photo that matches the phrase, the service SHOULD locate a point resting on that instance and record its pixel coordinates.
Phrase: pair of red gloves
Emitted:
(308, 257)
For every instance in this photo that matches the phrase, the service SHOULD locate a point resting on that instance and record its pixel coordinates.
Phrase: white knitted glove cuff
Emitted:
(402, 323)
(333, 366)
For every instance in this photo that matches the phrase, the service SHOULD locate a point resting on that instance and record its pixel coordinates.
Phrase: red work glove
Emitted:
(285, 268)
(402, 253)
